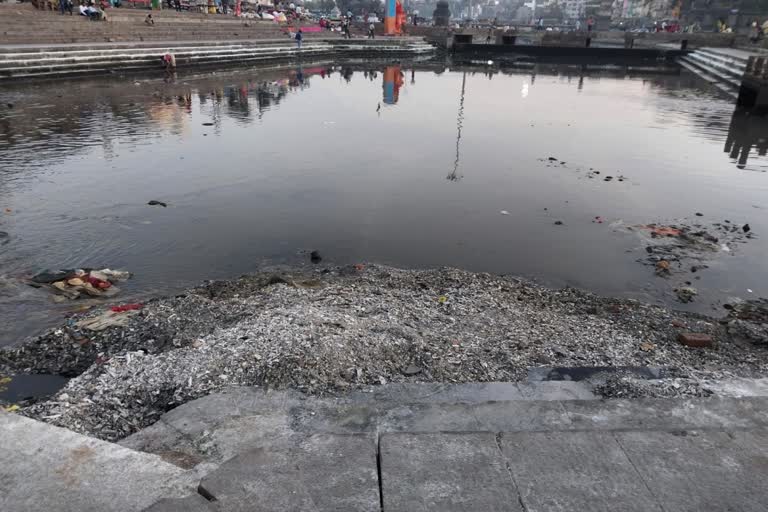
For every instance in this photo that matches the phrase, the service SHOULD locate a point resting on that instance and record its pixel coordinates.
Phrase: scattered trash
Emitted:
(315, 257)
(73, 283)
(504, 212)
(359, 267)
(157, 203)
(647, 347)
(686, 294)
(608, 178)
(699, 214)
(11, 408)
(552, 159)
(126, 307)
(207, 124)
(695, 339)
(598, 219)
(442, 299)
(725, 248)
(746, 228)
(662, 268)
(106, 320)
(662, 230)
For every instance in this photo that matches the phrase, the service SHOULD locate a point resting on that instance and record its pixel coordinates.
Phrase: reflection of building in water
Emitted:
(744, 132)
(393, 80)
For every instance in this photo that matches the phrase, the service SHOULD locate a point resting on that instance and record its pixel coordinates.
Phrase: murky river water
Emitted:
(404, 165)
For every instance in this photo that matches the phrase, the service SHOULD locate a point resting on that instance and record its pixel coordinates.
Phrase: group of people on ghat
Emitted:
(90, 9)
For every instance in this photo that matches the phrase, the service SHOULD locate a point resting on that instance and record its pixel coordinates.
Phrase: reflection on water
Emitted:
(351, 158)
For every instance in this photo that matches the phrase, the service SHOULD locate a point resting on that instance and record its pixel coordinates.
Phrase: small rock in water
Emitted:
(699, 214)
(157, 203)
(746, 228)
(315, 257)
(608, 178)
(207, 124)
(558, 223)
(686, 294)
(552, 159)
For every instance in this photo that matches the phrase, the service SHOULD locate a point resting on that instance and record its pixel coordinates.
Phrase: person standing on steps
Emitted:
(371, 31)
(299, 37)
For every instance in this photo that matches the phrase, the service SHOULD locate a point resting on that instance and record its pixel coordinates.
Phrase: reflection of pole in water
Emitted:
(459, 120)
(393, 80)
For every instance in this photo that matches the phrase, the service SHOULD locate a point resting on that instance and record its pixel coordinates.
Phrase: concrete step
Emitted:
(725, 83)
(496, 446)
(23, 63)
(724, 55)
(220, 426)
(43, 467)
(725, 68)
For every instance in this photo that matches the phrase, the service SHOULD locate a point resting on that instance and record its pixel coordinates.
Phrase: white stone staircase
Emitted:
(73, 60)
(723, 67)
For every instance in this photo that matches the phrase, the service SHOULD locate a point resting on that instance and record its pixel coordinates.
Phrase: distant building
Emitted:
(574, 9)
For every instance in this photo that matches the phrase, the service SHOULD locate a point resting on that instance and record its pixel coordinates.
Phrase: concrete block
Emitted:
(445, 473)
(43, 467)
(564, 471)
(320, 473)
(693, 472)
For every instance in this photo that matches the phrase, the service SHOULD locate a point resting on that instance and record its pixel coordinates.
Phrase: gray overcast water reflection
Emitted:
(260, 165)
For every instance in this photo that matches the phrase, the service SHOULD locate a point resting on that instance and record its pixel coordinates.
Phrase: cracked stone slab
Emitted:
(43, 467)
(445, 473)
(573, 471)
(695, 471)
(318, 473)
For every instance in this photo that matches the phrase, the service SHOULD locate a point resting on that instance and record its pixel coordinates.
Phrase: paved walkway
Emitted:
(536, 447)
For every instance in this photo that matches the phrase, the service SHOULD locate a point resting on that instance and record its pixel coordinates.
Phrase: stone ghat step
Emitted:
(634, 471)
(725, 73)
(116, 55)
(227, 424)
(725, 55)
(66, 50)
(735, 67)
(711, 74)
(94, 67)
(43, 467)
(109, 67)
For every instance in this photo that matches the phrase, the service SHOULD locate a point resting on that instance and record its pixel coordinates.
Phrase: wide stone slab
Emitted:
(43, 467)
(319, 473)
(668, 414)
(445, 473)
(693, 472)
(575, 471)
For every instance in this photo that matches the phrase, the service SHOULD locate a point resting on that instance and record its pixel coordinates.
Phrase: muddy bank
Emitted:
(331, 330)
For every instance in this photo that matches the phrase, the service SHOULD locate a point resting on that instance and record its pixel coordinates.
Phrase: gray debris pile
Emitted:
(327, 331)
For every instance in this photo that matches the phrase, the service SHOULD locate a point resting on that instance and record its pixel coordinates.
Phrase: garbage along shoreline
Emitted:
(331, 330)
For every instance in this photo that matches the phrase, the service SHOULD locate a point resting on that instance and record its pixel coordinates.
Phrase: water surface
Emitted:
(409, 165)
